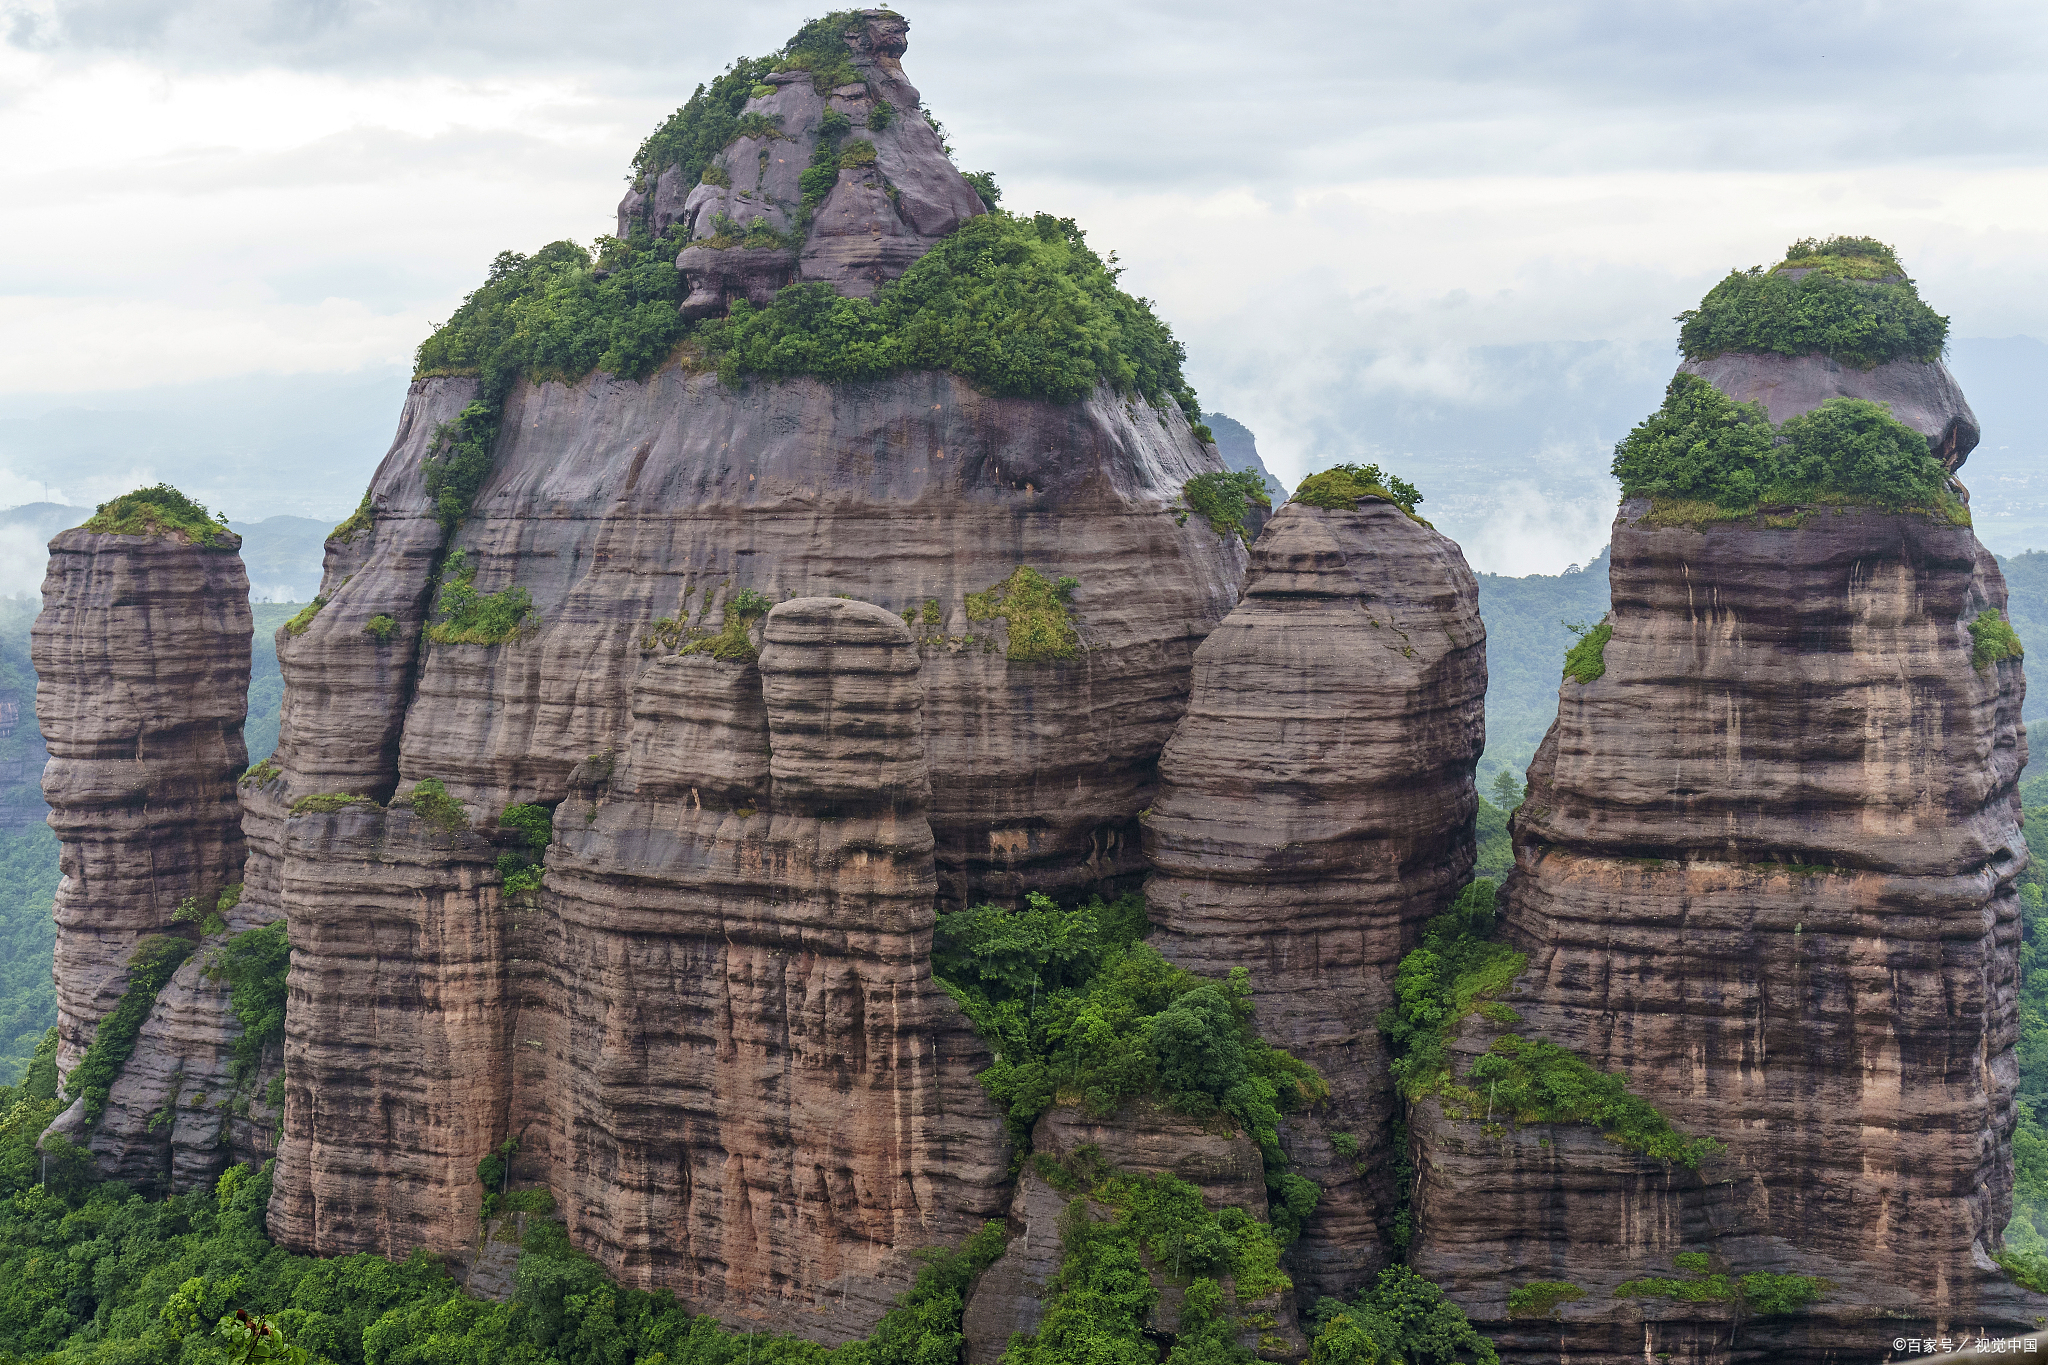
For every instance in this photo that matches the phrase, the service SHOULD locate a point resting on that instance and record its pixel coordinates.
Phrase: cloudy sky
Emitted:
(1450, 236)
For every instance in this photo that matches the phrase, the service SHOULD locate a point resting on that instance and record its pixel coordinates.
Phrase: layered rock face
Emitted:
(416, 990)
(712, 1032)
(747, 1084)
(896, 193)
(1766, 871)
(142, 659)
(1315, 807)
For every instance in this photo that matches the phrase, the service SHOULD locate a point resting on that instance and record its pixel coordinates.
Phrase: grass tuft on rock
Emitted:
(1540, 1298)
(430, 801)
(255, 964)
(159, 510)
(358, 522)
(1225, 498)
(1038, 612)
(472, 618)
(1342, 487)
(1586, 660)
(733, 642)
(327, 803)
(1993, 639)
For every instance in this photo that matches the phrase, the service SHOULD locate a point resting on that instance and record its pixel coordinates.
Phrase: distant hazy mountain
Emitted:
(1240, 450)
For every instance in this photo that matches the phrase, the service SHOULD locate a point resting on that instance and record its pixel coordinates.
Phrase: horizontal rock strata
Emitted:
(1315, 808)
(1765, 870)
(142, 657)
(735, 1069)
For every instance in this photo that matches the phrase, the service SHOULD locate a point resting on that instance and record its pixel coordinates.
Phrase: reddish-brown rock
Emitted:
(142, 660)
(896, 194)
(142, 666)
(1315, 807)
(1766, 871)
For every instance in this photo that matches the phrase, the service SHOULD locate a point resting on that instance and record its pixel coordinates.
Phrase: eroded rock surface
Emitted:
(1315, 808)
(142, 659)
(628, 1024)
(896, 194)
(1765, 870)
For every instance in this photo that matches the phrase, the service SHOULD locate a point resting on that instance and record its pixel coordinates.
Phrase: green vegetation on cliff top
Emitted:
(159, 510)
(1343, 486)
(1853, 303)
(1019, 306)
(1701, 446)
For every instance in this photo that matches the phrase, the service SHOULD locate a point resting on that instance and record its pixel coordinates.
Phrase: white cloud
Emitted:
(1344, 211)
(23, 556)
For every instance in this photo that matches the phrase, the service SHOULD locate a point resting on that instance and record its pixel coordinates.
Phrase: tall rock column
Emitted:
(1315, 807)
(735, 1069)
(142, 662)
(1765, 870)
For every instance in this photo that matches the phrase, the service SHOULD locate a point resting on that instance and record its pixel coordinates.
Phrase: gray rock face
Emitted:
(1922, 394)
(880, 216)
(1766, 870)
(718, 1008)
(142, 660)
(1315, 807)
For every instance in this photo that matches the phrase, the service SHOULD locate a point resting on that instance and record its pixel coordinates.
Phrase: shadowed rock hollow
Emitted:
(1315, 807)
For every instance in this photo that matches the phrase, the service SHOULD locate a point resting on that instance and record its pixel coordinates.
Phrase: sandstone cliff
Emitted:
(1764, 870)
(712, 1030)
(142, 655)
(1315, 807)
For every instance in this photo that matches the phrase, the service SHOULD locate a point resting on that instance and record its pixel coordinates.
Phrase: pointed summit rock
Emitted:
(837, 177)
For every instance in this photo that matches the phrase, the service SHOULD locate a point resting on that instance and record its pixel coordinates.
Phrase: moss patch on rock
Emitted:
(1459, 970)
(150, 967)
(472, 618)
(1224, 499)
(1038, 612)
(1992, 639)
(1586, 661)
